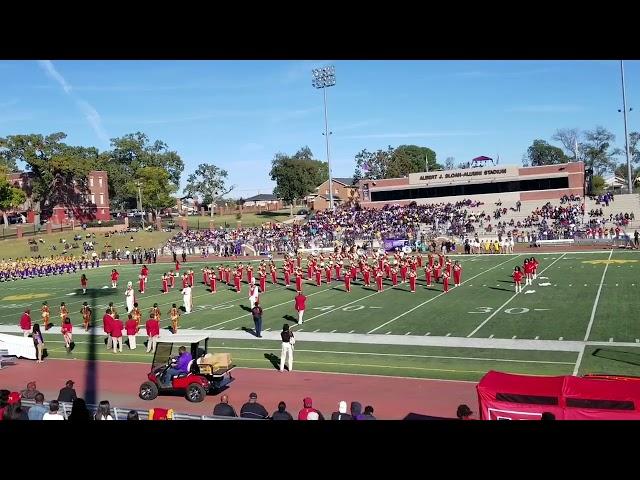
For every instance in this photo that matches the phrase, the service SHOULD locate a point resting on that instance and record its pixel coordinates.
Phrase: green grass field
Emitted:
(247, 220)
(576, 295)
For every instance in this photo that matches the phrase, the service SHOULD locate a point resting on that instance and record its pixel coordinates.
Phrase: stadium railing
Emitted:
(120, 413)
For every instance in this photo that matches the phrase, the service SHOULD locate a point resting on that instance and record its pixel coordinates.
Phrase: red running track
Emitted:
(118, 382)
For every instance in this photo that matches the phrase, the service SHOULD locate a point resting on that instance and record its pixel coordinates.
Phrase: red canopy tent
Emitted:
(505, 396)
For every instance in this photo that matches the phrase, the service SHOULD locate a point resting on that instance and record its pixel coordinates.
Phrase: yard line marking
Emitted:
(560, 338)
(541, 309)
(351, 331)
(332, 331)
(316, 330)
(267, 329)
(301, 329)
(576, 368)
(375, 307)
(408, 333)
(70, 294)
(387, 333)
(426, 334)
(249, 313)
(437, 296)
(491, 336)
(595, 303)
(507, 302)
(448, 334)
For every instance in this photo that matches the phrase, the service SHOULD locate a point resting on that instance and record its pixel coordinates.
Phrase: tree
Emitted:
(209, 182)
(597, 184)
(394, 162)
(599, 152)
(297, 176)
(10, 196)
(449, 163)
(634, 151)
(132, 152)
(541, 153)
(414, 157)
(156, 188)
(372, 165)
(570, 140)
(59, 171)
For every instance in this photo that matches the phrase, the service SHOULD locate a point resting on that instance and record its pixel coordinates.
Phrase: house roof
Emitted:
(344, 180)
(263, 197)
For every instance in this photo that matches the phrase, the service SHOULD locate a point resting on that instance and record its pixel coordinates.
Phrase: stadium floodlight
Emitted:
(322, 78)
(626, 135)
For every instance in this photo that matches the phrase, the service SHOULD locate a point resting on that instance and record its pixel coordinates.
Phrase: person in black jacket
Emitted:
(67, 394)
(252, 409)
(79, 411)
(223, 409)
(341, 414)
(281, 413)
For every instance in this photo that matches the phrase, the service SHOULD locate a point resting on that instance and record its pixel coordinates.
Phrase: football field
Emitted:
(579, 316)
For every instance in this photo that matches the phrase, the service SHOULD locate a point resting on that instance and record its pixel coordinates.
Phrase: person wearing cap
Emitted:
(341, 414)
(14, 410)
(281, 413)
(288, 340)
(30, 392)
(38, 410)
(25, 322)
(67, 393)
(223, 409)
(252, 409)
(307, 404)
(464, 412)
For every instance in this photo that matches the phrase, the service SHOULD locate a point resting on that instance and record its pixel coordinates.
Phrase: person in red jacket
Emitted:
(307, 404)
(298, 279)
(212, 283)
(517, 279)
(153, 332)
(445, 281)
(274, 273)
(67, 333)
(412, 281)
(131, 328)
(394, 276)
(318, 273)
(366, 273)
(379, 279)
(114, 278)
(300, 301)
(25, 322)
(347, 282)
(144, 271)
(172, 279)
(107, 319)
(116, 333)
(457, 273)
(140, 283)
(263, 280)
(237, 279)
(428, 272)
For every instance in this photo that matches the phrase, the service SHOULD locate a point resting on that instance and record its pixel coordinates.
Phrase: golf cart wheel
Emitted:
(148, 391)
(195, 393)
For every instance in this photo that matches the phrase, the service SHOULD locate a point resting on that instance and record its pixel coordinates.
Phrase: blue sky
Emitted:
(238, 114)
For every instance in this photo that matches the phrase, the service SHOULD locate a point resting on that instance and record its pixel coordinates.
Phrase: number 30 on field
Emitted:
(510, 311)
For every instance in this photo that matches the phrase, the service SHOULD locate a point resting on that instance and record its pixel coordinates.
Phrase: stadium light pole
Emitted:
(626, 135)
(323, 78)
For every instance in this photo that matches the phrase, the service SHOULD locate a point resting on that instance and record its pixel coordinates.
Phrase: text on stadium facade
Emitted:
(444, 176)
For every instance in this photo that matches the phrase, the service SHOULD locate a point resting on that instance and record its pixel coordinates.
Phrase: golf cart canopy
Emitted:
(167, 347)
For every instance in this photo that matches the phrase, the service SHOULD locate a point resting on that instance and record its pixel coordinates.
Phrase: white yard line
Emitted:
(595, 303)
(507, 302)
(579, 360)
(437, 296)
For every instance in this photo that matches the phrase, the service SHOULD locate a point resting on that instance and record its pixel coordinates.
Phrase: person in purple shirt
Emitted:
(181, 365)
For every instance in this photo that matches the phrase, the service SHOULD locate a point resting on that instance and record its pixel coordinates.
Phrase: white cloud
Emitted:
(51, 71)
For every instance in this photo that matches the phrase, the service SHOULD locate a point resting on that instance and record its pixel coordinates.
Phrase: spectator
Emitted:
(223, 409)
(368, 414)
(341, 414)
(14, 410)
(252, 409)
(67, 394)
(104, 411)
(307, 404)
(356, 410)
(38, 410)
(79, 411)
(54, 412)
(31, 391)
(256, 313)
(547, 416)
(38, 341)
(4, 402)
(281, 413)
(133, 415)
(464, 412)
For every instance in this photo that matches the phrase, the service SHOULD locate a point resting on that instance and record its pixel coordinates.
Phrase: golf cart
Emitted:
(201, 379)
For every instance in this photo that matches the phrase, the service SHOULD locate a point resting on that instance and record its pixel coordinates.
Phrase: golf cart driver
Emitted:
(181, 363)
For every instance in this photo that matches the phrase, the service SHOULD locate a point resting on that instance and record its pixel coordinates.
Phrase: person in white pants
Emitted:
(287, 347)
(186, 297)
(253, 295)
(129, 297)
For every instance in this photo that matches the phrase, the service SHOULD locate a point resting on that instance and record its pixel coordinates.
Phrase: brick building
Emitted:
(95, 208)
(344, 191)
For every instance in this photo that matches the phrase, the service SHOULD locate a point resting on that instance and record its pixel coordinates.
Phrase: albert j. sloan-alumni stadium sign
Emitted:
(455, 176)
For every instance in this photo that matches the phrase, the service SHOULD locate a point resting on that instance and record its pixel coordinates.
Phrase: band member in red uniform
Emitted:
(430, 257)
(177, 266)
(185, 280)
(394, 276)
(114, 278)
(191, 278)
(534, 267)
(299, 259)
(366, 273)
(338, 269)
(236, 279)
(172, 279)
(205, 275)
(299, 279)
(412, 281)
(86, 315)
(263, 281)
(445, 281)
(249, 274)
(140, 283)
(227, 275)
(441, 259)
(327, 273)
(83, 283)
(403, 272)
(526, 269)
(165, 284)
(353, 272)
(318, 273)
(274, 273)
(457, 273)
(300, 300)
(379, 275)
(347, 281)
(448, 265)
(437, 270)
(517, 279)
(428, 273)
(144, 271)
(212, 283)
(419, 260)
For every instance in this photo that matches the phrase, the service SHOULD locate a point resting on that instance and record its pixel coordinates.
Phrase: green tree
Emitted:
(10, 197)
(394, 162)
(597, 184)
(156, 188)
(416, 157)
(59, 170)
(208, 182)
(129, 154)
(297, 176)
(634, 151)
(541, 153)
(599, 151)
